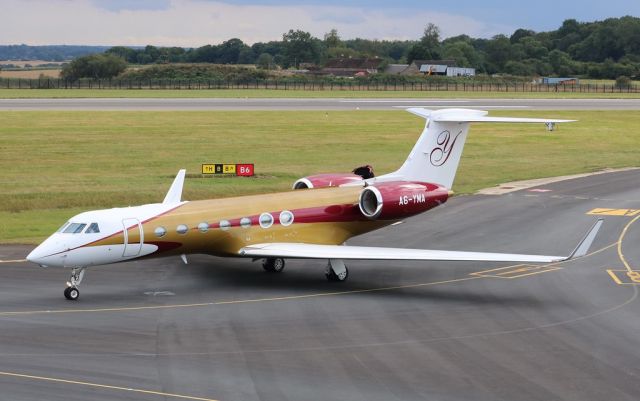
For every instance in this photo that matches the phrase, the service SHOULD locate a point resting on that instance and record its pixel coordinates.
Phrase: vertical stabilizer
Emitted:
(436, 155)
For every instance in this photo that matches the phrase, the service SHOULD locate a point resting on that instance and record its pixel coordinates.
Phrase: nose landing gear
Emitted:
(71, 292)
(336, 270)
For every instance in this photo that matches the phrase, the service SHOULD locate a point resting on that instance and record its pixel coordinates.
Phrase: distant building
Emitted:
(437, 67)
(558, 81)
(460, 72)
(350, 67)
(433, 69)
(416, 65)
(396, 68)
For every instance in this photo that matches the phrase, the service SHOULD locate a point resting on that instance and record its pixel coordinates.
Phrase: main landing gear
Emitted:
(71, 292)
(336, 270)
(273, 265)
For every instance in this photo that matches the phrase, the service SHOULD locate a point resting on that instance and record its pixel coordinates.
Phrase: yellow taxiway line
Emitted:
(104, 386)
(622, 234)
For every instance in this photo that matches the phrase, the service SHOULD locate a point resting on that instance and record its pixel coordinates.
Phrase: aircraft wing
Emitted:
(315, 251)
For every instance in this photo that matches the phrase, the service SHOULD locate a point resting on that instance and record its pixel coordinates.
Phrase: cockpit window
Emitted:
(93, 228)
(63, 227)
(74, 228)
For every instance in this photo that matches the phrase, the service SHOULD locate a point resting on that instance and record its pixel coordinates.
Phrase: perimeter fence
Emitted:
(309, 85)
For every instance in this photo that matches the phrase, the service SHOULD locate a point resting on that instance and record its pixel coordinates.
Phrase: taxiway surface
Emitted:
(313, 104)
(223, 329)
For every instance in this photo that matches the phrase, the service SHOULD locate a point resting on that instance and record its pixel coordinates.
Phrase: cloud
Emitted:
(118, 5)
(192, 23)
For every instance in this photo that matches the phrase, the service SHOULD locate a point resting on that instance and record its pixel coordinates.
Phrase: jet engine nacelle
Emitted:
(395, 200)
(326, 180)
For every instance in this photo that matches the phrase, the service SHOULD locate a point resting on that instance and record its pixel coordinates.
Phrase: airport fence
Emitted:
(309, 85)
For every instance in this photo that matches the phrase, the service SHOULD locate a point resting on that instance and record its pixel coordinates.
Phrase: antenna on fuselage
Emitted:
(175, 192)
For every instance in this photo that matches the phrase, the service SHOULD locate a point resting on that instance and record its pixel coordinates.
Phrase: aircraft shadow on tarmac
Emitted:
(218, 279)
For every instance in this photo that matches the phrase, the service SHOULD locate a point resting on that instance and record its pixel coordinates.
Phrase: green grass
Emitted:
(270, 93)
(55, 164)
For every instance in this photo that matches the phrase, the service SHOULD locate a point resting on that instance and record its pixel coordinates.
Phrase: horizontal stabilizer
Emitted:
(175, 192)
(475, 116)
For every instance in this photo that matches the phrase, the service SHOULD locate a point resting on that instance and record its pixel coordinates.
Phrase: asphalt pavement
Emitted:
(223, 329)
(158, 104)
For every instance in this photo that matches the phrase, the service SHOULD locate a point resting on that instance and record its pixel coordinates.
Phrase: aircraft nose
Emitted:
(48, 253)
(38, 255)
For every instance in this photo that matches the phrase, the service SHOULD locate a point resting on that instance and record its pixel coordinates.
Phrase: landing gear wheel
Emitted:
(273, 265)
(71, 293)
(333, 266)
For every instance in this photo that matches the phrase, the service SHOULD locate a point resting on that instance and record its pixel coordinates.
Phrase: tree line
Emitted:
(55, 53)
(600, 49)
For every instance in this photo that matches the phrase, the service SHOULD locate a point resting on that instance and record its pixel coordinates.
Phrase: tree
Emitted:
(561, 63)
(246, 56)
(97, 66)
(204, 54)
(299, 47)
(429, 45)
(126, 53)
(342, 52)
(498, 50)
(265, 61)
(519, 68)
(533, 48)
(229, 51)
(331, 39)
(519, 34)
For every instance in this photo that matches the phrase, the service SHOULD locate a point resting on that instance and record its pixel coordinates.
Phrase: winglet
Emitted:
(175, 192)
(585, 244)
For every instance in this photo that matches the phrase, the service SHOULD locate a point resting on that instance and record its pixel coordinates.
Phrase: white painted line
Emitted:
(475, 107)
(404, 101)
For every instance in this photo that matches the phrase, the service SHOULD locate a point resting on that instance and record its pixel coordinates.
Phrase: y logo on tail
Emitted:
(445, 143)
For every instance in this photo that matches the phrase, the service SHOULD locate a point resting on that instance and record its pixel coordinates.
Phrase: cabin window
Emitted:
(225, 225)
(182, 229)
(74, 228)
(266, 220)
(286, 218)
(160, 231)
(245, 222)
(63, 227)
(93, 229)
(203, 227)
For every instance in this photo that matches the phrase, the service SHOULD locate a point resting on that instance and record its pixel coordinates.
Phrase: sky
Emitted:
(193, 23)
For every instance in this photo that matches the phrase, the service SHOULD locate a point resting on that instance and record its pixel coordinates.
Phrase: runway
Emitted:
(223, 329)
(121, 104)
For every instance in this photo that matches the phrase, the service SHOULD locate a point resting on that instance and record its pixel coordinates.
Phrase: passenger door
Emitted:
(133, 237)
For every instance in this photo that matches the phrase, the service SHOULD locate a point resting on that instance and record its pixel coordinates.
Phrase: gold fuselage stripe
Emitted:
(327, 216)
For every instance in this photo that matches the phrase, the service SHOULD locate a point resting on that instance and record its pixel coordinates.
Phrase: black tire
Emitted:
(273, 265)
(71, 293)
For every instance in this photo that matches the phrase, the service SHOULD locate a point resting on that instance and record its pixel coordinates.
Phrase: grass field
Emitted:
(30, 74)
(55, 164)
(271, 93)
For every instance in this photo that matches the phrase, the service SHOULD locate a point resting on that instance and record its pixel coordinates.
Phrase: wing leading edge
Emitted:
(315, 251)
